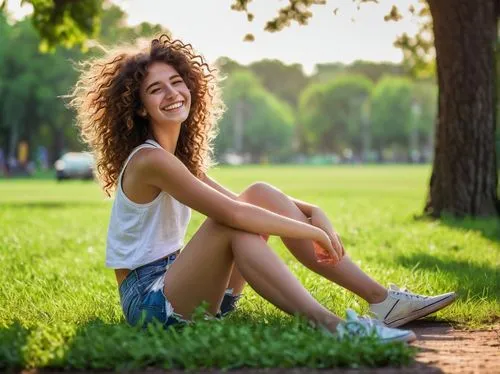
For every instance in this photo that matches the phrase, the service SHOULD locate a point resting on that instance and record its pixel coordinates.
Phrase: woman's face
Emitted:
(165, 96)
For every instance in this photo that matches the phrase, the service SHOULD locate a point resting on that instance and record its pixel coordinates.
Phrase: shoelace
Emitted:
(371, 320)
(410, 295)
(358, 325)
(406, 292)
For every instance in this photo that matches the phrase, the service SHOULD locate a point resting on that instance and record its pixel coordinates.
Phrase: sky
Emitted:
(215, 30)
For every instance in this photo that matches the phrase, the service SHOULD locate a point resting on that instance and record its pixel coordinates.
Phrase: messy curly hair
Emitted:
(106, 100)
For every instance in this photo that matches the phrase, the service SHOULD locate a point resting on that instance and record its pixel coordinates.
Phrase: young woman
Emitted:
(149, 116)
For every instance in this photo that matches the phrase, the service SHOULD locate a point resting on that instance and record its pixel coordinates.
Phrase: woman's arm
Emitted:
(163, 170)
(216, 186)
(304, 207)
(315, 215)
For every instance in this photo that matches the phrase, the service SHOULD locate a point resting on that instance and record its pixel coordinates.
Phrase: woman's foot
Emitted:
(364, 326)
(402, 306)
(228, 303)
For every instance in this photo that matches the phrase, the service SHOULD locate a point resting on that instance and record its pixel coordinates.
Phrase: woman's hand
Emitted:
(320, 220)
(324, 250)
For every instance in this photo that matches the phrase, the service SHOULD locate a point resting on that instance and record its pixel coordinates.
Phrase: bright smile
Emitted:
(174, 106)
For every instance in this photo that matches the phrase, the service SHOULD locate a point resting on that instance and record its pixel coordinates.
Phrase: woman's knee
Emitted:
(268, 197)
(245, 236)
(231, 233)
(260, 190)
(217, 227)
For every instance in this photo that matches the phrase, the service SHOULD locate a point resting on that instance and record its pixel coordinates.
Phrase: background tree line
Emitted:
(32, 83)
(361, 111)
(459, 42)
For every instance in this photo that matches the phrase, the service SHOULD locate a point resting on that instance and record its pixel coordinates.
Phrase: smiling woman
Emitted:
(149, 116)
(165, 96)
(121, 100)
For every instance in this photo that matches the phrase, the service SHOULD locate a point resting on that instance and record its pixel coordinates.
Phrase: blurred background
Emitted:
(347, 110)
(356, 85)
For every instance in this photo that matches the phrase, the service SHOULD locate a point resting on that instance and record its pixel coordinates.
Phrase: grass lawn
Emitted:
(59, 305)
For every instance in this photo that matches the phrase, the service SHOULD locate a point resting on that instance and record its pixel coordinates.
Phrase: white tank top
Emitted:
(141, 233)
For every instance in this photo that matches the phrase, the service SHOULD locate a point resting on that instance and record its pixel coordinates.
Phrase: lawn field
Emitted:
(59, 306)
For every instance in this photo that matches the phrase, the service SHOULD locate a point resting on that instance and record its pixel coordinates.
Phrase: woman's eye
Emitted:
(155, 90)
(177, 82)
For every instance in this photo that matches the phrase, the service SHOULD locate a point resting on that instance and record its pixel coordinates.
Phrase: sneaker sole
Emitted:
(423, 312)
(408, 338)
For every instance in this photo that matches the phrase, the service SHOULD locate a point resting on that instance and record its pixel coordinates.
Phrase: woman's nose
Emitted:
(170, 91)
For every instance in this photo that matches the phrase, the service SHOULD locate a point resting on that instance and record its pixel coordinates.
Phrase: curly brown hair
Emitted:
(106, 100)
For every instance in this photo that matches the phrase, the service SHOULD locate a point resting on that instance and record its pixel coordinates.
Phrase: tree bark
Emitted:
(464, 175)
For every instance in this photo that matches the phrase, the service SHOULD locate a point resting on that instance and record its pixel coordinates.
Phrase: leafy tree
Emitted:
(375, 70)
(391, 111)
(65, 22)
(5, 31)
(425, 102)
(256, 122)
(284, 81)
(370, 69)
(32, 83)
(418, 50)
(464, 175)
(331, 113)
(227, 66)
(328, 71)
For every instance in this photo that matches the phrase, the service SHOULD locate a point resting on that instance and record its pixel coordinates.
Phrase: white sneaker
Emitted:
(401, 306)
(364, 326)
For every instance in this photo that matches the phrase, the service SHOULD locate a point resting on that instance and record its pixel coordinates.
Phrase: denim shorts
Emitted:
(142, 298)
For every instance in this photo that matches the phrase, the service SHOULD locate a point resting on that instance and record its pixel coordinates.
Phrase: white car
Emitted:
(75, 165)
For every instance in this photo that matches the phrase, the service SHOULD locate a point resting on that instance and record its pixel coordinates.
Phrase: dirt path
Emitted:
(446, 350)
(443, 350)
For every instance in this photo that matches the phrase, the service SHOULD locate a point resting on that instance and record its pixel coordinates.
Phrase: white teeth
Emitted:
(173, 106)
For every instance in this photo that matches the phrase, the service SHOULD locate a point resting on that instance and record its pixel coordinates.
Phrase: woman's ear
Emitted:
(142, 112)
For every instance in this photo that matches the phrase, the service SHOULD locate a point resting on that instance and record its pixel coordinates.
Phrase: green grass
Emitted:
(59, 305)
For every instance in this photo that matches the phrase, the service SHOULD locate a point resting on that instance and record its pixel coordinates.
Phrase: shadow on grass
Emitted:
(51, 204)
(476, 279)
(488, 227)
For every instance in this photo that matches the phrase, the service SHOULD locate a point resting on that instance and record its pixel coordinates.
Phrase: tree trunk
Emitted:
(464, 175)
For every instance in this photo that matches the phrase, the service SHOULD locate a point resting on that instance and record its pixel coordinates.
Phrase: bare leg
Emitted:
(202, 270)
(346, 273)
